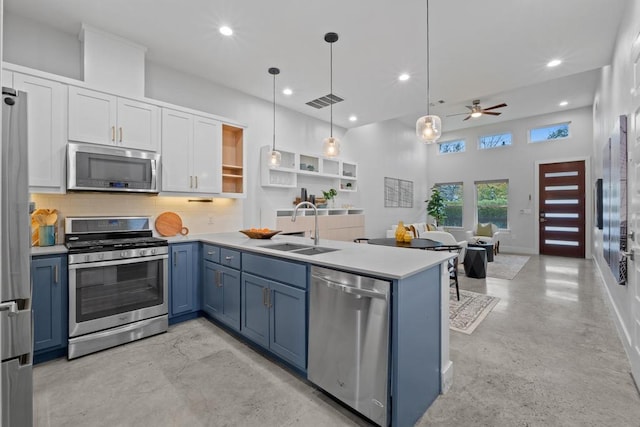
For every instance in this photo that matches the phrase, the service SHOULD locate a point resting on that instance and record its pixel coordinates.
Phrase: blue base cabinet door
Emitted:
(288, 329)
(49, 303)
(221, 293)
(255, 311)
(183, 289)
(274, 316)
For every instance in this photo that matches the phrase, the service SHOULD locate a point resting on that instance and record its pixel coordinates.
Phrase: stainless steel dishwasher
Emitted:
(349, 340)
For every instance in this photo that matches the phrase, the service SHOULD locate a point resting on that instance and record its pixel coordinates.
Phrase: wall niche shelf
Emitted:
(342, 172)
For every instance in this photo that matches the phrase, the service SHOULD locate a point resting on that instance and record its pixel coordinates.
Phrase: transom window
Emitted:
(546, 133)
(452, 194)
(493, 141)
(456, 146)
(492, 202)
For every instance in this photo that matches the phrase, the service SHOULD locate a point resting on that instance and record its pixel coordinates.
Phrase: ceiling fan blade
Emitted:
(491, 113)
(495, 106)
(466, 118)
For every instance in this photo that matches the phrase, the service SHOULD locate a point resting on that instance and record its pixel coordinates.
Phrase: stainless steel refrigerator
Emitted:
(16, 341)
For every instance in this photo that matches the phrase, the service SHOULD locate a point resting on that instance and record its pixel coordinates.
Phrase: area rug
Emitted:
(465, 315)
(506, 266)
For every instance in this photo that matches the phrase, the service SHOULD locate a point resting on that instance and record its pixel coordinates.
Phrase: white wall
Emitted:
(387, 149)
(518, 164)
(613, 99)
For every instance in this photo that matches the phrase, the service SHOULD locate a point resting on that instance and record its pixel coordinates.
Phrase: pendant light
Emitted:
(429, 127)
(331, 145)
(275, 158)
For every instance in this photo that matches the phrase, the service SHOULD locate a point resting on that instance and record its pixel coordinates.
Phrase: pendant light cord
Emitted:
(428, 61)
(331, 84)
(274, 112)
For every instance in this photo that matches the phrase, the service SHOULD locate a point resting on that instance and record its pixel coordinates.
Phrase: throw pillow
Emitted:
(431, 227)
(484, 230)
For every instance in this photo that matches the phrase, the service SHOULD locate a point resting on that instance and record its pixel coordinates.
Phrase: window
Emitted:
(493, 141)
(456, 146)
(492, 200)
(452, 195)
(546, 133)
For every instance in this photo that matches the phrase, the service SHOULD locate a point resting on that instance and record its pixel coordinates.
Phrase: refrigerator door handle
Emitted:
(11, 307)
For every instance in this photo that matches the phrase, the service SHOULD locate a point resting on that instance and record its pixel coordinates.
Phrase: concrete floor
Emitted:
(547, 355)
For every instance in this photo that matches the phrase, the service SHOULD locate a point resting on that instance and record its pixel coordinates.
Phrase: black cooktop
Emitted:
(98, 242)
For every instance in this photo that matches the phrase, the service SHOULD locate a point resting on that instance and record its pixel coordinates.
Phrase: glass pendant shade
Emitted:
(331, 147)
(429, 128)
(275, 159)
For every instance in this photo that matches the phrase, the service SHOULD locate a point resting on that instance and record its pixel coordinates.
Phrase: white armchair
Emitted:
(446, 239)
(485, 233)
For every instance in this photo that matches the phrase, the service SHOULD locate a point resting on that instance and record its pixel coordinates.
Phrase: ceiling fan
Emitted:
(477, 110)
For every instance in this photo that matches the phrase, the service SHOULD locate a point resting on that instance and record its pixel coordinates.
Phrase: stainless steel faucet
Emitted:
(316, 237)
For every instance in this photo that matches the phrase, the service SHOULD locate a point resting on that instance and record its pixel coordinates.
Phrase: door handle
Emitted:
(11, 307)
(630, 254)
(543, 220)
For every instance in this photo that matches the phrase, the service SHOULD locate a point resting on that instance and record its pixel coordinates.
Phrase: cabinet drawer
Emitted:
(276, 269)
(211, 253)
(230, 258)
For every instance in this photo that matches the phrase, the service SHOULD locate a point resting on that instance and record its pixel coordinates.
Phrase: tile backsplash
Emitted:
(200, 217)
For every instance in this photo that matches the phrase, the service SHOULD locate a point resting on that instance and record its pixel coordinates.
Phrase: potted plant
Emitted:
(436, 206)
(329, 195)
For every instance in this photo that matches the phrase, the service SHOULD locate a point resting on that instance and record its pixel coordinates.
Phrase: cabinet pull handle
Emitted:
(113, 134)
(210, 252)
(269, 294)
(196, 181)
(219, 282)
(228, 258)
(120, 133)
(56, 277)
(175, 261)
(264, 296)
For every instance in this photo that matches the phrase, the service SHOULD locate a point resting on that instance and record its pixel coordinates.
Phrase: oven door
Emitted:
(107, 294)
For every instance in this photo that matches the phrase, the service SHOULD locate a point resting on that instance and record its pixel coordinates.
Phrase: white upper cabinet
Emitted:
(190, 153)
(47, 118)
(100, 118)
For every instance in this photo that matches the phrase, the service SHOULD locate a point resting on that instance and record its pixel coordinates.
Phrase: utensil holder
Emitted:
(47, 235)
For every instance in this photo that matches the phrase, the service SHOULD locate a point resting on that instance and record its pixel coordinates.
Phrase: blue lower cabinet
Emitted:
(49, 306)
(221, 293)
(183, 286)
(274, 316)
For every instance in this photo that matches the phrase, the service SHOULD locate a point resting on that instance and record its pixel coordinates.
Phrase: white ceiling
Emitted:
(492, 50)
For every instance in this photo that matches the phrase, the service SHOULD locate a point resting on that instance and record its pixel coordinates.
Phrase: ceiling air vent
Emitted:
(324, 101)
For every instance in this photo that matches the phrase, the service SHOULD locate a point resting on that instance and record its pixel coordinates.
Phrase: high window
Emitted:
(492, 201)
(493, 141)
(456, 146)
(546, 133)
(452, 194)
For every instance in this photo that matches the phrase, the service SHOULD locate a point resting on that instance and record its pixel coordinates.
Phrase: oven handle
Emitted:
(117, 262)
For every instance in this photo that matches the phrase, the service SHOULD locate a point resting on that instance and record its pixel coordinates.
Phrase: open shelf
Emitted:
(232, 159)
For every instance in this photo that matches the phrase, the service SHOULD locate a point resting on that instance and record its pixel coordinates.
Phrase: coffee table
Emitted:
(486, 246)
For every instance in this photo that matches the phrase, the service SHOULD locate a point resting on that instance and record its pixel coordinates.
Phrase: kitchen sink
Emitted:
(286, 246)
(299, 249)
(314, 250)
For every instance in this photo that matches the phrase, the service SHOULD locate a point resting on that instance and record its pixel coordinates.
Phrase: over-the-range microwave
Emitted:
(93, 167)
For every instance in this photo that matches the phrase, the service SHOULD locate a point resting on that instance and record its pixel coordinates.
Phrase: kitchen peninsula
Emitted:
(240, 276)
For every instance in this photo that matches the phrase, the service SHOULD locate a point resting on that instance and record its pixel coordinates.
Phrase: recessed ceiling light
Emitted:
(226, 31)
(404, 77)
(287, 91)
(564, 103)
(353, 118)
(554, 63)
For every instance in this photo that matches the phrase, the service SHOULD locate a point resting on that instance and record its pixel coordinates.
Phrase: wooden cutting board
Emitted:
(169, 224)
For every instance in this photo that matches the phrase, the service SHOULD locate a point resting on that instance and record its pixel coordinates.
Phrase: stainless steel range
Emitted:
(118, 282)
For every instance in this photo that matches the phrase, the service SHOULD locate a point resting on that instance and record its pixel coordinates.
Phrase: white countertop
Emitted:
(381, 261)
(48, 250)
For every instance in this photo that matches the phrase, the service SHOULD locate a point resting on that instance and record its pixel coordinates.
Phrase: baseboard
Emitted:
(446, 377)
